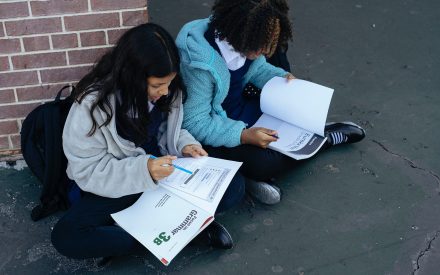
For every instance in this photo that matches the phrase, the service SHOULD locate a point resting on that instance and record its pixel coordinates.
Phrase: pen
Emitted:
(175, 166)
(275, 136)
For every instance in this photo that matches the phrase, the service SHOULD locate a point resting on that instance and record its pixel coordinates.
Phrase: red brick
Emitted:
(92, 21)
(18, 79)
(10, 45)
(64, 41)
(33, 26)
(86, 56)
(53, 7)
(100, 5)
(37, 43)
(4, 63)
(13, 10)
(92, 38)
(4, 143)
(16, 110)
(64, 74)
(8, 127)
(41, 60)
(2, 33)
(16, 141)
(134, 18)
(39, 92)
(113, 35)
(7, 96)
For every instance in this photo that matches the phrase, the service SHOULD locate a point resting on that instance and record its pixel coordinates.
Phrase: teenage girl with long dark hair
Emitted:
(126, 109)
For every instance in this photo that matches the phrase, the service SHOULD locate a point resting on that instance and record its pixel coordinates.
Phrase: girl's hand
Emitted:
(289, 76)
(258, 136)
(194, 151)
(160, 168)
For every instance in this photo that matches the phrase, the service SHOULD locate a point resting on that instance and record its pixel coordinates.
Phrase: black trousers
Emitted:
(88, 231)
(258, 164)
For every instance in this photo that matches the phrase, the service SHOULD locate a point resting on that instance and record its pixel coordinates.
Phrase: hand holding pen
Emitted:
(259, 136)
(161, 167)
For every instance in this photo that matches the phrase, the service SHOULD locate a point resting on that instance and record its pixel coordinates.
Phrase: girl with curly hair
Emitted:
(222, 56)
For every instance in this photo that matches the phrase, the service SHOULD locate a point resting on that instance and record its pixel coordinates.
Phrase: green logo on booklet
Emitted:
(162, 238)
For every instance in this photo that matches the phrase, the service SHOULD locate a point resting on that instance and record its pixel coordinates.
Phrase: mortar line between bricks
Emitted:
(14, 19)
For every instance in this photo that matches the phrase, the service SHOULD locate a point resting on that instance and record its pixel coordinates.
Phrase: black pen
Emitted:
(275, 136)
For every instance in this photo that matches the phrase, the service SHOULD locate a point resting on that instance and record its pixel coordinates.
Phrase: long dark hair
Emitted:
(143, 51)
(252, 25)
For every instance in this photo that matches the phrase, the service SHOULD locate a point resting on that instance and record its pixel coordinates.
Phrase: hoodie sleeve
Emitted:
(93, 167)
(262, 72)
(207, 125)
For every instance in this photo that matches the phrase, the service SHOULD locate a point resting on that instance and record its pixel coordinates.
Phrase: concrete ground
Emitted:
(368, 208)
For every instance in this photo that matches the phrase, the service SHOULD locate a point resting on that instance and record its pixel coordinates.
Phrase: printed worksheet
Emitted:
(204, 180)
(209, 177)
(181, 206)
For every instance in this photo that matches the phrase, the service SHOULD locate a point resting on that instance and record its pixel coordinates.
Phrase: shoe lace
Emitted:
(338, 138)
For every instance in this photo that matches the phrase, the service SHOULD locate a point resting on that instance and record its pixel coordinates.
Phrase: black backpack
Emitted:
(41, 145)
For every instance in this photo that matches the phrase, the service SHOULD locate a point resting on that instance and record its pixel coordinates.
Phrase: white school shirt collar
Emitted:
(150, 106)
(234, 60)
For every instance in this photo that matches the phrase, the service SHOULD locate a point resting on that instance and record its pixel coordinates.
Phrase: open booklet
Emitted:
(297, 110)
(167, 218)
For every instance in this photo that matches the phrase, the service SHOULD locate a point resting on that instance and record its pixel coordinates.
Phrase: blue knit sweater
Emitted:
(207, 79)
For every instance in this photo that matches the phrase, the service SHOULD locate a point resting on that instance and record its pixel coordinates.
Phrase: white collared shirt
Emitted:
(150, 106)
(234, 60)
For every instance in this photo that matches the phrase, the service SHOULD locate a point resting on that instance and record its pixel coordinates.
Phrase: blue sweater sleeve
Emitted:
(209, 126)
(261, 72)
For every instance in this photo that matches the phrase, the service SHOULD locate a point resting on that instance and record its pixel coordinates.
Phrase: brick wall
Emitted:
(45, 44)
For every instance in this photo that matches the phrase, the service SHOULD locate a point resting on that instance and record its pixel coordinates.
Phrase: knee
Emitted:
(268, 165)
(63, 238)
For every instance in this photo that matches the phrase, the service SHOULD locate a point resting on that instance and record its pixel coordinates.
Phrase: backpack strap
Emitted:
(60, 92)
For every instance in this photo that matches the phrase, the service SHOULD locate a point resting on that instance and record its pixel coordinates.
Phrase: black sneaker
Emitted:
(343, 133)
(104, 261)
(219, 236)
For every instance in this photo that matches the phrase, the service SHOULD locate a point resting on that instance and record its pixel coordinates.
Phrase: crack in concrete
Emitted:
(416, 265)
(412, 164)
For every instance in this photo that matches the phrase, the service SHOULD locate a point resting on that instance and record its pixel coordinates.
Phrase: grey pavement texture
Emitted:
(367, 208)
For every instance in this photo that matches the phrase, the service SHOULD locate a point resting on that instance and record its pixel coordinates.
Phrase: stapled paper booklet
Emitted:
(297, 109)
(167, 218)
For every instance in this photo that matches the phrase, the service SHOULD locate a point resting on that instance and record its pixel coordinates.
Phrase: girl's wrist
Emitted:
(242, 136)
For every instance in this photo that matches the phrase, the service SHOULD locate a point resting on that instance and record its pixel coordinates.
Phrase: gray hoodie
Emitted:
(106, 164)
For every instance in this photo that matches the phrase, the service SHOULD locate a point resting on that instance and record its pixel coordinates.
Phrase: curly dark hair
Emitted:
(252, 25)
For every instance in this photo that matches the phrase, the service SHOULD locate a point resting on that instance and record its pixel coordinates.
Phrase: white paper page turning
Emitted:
(298, 102)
